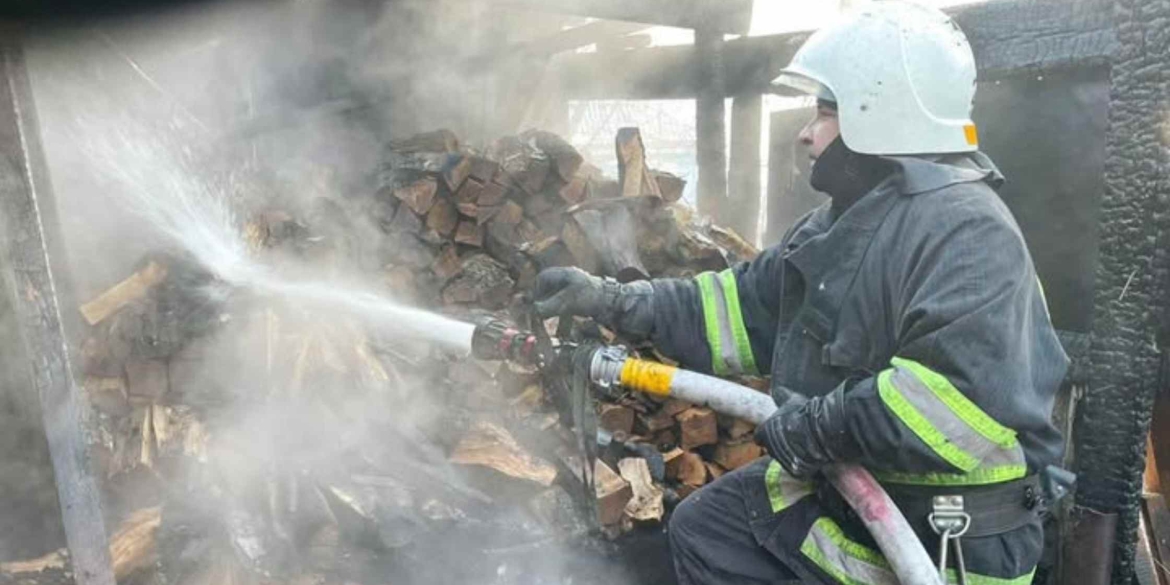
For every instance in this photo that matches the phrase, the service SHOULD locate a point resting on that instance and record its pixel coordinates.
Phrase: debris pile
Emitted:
(244, 439)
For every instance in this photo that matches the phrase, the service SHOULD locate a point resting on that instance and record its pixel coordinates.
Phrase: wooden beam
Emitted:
(587, 34)
(743, 191)
(726, 16)
(710, 125)
(23, 195)
(1006, 36)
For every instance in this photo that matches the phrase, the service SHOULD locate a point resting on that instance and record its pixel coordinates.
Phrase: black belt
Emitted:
(994, 509)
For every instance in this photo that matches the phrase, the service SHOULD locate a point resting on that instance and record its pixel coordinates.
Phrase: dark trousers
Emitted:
(736, 531)
(712, 537)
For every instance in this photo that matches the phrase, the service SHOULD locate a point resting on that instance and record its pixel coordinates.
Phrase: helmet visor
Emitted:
(803, 84)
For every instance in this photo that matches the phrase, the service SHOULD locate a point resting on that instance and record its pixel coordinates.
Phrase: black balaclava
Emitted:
(845, 175)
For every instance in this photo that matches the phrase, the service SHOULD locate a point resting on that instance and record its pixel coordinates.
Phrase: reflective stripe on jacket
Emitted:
(922, 300)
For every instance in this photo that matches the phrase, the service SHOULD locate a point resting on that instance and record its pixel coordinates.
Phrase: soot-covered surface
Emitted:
(1131, 278)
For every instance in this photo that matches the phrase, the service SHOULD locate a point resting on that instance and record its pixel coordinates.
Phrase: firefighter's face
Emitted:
(821, 131)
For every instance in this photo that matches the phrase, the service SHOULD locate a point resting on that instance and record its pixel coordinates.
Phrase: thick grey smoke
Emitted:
(169, 133)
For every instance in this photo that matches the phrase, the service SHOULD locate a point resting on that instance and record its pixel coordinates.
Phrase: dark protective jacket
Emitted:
(923, 301)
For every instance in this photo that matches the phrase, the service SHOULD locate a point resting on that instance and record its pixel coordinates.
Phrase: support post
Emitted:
(23, 194)
(1131, 339)
(710, 125)
(744, 185)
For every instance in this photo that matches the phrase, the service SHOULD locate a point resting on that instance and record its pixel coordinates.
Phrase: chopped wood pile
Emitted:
(247, 440)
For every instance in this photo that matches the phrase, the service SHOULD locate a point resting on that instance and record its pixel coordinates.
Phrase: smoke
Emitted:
(299, 404)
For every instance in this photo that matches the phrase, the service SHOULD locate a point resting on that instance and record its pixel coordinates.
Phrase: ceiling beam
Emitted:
(1007, 36)
(727, 16)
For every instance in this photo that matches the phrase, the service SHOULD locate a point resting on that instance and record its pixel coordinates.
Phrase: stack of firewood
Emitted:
(436, 444)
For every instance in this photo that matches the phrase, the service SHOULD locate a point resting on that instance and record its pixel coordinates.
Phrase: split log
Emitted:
(671, 458)
(483, 169)
(492, 446)
(147, 452)
(633, 174)
(57, 560)
(613, 493)
(443, 217)
(108, 395)
(580, 247)
(456, 171)
(509, 214)
(471, 210)
(483, 281)
(670, 186)
(147, 379)
(697, 427)
(405, 223)
(533, 178)
(528, 401)
(714, 470)
(616, 418)
(419, 195)
(732, 455)
(469, 233)
(602, 188)
(611, 230)
(566, 160)
(133, 288)
(652, 423)
(665, 439)
(133, 546)
(673, 406)
(177, 432)
(103, 354)
(575, 191)
(646, 505)
(471, 191)
(491, 194)
(739, 248)
(740, 428)
(514, 378)
(688, 469)
(538, 205)
(437, 141)
(532, 234)
(448, 265)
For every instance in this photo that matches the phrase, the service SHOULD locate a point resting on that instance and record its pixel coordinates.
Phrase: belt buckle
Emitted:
(950, 521)
(949, 516)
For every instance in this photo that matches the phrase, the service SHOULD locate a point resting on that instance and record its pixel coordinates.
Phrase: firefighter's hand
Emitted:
(806, 434)
(568, 291)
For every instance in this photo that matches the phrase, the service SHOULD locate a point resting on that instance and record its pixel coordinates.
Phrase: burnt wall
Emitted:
(1130, 301)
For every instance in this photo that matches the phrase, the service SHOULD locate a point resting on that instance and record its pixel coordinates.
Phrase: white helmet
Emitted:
(902, 75)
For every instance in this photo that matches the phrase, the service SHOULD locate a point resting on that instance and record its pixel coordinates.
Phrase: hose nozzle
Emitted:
(496, 340)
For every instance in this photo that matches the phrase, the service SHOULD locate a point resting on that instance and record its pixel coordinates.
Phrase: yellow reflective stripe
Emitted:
(980, 476)
(743, 345)
(783, 489)
(846, 561)
(960, 404)
(706, 282)
(921, 426)
(973, 579)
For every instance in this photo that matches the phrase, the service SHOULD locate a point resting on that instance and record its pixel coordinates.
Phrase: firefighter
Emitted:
(905, 313)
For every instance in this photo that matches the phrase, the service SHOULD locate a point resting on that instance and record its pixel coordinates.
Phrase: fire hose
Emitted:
(611, 368)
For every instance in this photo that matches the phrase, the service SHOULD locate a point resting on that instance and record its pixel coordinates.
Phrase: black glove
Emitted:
(806, 434)
(625, 308)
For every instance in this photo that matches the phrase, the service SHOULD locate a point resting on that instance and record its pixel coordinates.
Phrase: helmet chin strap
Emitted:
(845, 175)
